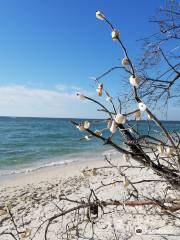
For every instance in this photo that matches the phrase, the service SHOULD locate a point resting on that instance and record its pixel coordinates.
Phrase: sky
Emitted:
(50, 48)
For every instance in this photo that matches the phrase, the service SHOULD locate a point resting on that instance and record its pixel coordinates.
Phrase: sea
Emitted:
(28, 144)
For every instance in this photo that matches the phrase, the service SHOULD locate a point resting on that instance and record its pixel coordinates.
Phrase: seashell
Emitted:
(113, 127)
(169, 151)
(94, 172)
(115, 34)
(126, 157)
(137, 115)
(126, 182)
(142, 107)
(125, 61)
(120, 118)
(134, 81)
(100, 90)
(86, 125)
(99, 15)
(80, 96)
(98, 133)
(80, 127)
(26, 234)
(87, 138)
(160, 149)
(109, 99)
(109, 123)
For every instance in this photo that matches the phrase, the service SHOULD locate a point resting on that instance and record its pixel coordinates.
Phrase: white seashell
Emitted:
(126, 182)
(26, 234)
(108, 99)
(126, 157)
(109, 123)
(120, 118)
(137, 115)
(142, 107)
(134, 81)
(99, 15)
(99, 92)
(80, 96)
(169, 151)
(100, 89)
(86, 125)
(98, 133)
(125, 61)
(160, 149)
(115, 34)
(113, 127)
(87, 138)
(80, 127)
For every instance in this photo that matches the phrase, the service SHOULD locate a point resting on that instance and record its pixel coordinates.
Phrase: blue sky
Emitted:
(50, 48)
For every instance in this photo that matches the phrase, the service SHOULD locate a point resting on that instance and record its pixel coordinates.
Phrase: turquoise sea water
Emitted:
(31, 143)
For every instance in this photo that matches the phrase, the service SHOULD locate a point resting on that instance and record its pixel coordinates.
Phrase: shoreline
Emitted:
(60, 170)
(37, 196)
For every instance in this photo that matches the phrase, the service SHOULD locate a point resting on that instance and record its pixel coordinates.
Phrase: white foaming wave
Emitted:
(33, 169)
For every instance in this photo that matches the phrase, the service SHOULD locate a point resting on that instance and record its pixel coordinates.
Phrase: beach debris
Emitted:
(108, 98)
(160, 149)
(2, 211)
(87, 172)
(113, 127)
(26, 233)
(7, 207)
(137, 115)
(80, 127)
(169, 151)
(115, 34)
(125, 61)
(99, 89)
(126, 182)
(142, 107)
(99, 15)
(80, 96)
(138, 231)
(134, 81)
(86, 125)
(98, 133)
(126, 157)
(120, 118)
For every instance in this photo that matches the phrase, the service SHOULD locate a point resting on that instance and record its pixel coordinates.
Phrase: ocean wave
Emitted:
(4, 173)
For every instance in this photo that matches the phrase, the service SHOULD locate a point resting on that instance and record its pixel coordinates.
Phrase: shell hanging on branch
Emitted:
(126, 157)
(169, 151)
(113, 127)
(160, 149)
(99, 89)
(137, 115)
(99, 15)
(125, 61)
(120, 118)
(98, 133)
(142, 107)
(134, 81)
(86, 125)
(115, 34)
(80, 96)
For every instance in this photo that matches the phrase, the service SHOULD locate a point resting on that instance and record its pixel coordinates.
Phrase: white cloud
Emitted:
(24, 101)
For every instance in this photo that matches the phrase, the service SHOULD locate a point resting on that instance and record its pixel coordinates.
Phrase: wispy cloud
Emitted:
(21, 100)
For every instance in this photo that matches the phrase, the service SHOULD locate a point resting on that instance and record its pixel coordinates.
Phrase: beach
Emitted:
(36, 196)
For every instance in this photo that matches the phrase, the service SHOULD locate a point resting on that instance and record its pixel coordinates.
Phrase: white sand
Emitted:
(35, 197)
